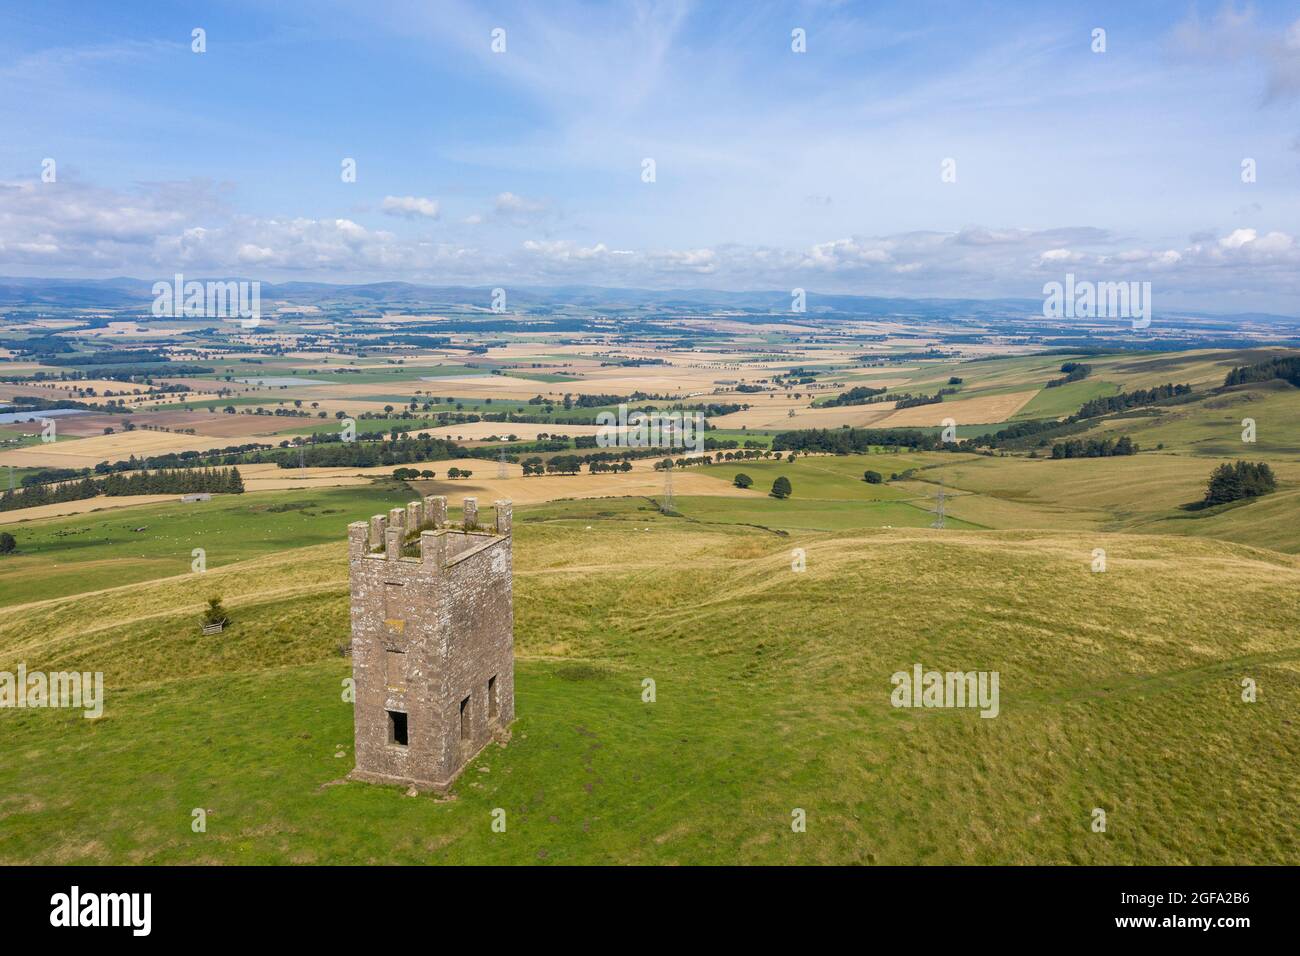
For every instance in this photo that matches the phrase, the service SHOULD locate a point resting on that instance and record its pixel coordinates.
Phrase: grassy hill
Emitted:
(1118, 690)
(110, 547)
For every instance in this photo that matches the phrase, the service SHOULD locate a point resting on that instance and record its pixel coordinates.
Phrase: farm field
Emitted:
(152, 539)
(88, 452)
(989, 409)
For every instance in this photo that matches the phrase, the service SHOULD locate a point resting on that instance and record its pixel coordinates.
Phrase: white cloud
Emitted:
(158, 229)
(411, 207)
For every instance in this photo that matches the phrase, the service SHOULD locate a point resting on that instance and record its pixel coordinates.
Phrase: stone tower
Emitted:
(432, 641)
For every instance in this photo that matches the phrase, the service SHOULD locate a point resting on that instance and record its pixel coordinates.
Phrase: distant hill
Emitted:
(127, 292)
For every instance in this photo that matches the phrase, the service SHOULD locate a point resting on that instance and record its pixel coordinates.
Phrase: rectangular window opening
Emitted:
(464, 719)
(492, 697)
(397, 728)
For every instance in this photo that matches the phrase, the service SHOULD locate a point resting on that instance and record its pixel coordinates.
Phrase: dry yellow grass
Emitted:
(86, 505)
(989, 409)
(542, 488)
(642, 480)
(774, 414)
(88, 452)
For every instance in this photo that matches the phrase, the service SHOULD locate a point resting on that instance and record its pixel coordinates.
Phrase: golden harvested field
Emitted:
(232, 429)
(131, 330)
(85, 506)
(149, 402)
(987, 410)
(88, 452)
(267, 477)
(774, 414)
(64, 389)
(106, 390)
(523, 491)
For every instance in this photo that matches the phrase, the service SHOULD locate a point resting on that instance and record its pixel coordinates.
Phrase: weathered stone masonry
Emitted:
(432, 641)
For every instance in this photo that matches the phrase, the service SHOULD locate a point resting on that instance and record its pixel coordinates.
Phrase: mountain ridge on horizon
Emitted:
(129, 291)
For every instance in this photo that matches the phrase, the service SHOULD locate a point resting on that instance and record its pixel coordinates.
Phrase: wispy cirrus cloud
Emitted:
(1236, 35)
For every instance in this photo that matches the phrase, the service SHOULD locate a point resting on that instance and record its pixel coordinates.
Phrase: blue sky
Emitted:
(774, 169)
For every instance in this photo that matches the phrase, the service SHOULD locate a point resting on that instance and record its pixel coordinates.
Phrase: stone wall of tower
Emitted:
(432, 639)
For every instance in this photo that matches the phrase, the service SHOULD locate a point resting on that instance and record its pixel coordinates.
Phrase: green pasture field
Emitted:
(103, 549)
(1119, 690)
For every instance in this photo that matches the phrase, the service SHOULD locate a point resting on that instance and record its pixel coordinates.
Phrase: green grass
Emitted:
(1212, 427)
(801, 514)
(102, 549)
(1267, 522)
(742, 435)
(1141, 492)
(1119, 690)
(364, 425)
(1064, 400)
(832, 477)
(550, 377)
(23, 439)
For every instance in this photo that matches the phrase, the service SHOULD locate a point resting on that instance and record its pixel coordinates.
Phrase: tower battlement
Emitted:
(432, 640)
(421, 532)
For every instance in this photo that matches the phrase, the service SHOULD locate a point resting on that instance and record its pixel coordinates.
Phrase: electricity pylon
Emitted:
(938, 509)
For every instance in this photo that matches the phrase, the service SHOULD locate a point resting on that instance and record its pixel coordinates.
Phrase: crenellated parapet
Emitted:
(421, 533)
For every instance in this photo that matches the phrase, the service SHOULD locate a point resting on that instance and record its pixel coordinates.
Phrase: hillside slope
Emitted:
(1118, 690)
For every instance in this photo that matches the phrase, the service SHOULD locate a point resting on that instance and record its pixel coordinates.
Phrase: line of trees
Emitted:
(1094, 448)
(364, 454)
(121, 357)
(854, 396)
(853, 441)
(1287, 369)
(567, 465)
(606, 467)
(183, 481)
(1126, 400)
